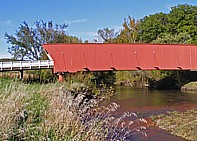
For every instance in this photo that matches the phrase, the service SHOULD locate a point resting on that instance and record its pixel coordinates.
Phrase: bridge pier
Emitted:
(21, 74)
(61, 77)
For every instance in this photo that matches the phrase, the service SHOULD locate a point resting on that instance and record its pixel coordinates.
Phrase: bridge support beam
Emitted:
(61, 77)
(21, 74)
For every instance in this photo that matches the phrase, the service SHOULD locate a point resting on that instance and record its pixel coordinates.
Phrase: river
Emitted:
(146, 102)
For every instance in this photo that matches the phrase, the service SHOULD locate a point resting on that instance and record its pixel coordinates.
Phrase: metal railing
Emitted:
(26, 65)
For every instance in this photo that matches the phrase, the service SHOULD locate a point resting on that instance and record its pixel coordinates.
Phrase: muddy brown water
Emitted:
(146, 102)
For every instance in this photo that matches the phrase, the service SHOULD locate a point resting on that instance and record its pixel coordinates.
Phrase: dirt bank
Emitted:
(191, 86)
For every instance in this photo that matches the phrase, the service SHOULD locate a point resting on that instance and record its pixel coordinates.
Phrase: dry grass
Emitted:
(191, 86)
(183, 124)
(53, 112)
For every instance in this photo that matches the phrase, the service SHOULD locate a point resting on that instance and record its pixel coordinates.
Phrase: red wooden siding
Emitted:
(104, 57)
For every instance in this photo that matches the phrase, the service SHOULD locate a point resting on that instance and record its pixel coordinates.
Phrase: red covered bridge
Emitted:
(105, 57)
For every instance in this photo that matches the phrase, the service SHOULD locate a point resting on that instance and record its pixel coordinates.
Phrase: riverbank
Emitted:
(148, 103)
(182, 124)
(55, 111)
(61, 111)
(191, 86)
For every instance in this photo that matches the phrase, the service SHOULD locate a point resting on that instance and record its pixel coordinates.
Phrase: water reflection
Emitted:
(152, 102)
(138, 98)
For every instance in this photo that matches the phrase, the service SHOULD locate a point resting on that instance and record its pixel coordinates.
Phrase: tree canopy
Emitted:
(129, 32)
(182, 20)
(178, 26)
(152, 26)
(107, 35)
(26, 42)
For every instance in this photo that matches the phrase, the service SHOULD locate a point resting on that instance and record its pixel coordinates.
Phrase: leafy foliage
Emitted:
(152, 26)
(107, 78)
(27, 41)
(181, 21)
(107, 35)
(182, 18)
(129, 32)
(167, 38)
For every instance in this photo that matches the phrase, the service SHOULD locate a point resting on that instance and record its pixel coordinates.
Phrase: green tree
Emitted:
(107, 35)
(152, 26)
(183, 18)
(26, 42)
(167, 38)
(129, 32)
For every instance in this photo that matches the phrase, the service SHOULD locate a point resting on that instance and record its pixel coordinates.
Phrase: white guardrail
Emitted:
(26, 65)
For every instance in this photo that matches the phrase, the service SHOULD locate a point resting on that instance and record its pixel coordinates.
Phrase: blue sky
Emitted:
(84, 17)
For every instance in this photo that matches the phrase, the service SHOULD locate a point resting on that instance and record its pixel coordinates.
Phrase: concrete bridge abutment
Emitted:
(61, 77)
(21, 74)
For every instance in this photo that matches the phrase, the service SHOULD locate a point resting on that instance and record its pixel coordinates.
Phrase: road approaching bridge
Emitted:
(106, 57)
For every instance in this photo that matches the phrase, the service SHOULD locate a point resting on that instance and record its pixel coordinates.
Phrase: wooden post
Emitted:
(21, 74)
(61, 77)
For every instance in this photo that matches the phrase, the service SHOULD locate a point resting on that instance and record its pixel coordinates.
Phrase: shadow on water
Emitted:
(146, 102)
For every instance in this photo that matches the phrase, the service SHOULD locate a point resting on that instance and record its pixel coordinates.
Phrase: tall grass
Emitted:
(55, 112)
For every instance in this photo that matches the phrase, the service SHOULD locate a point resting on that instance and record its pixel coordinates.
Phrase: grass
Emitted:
(191, 86)
(60, 112)
(183, 124)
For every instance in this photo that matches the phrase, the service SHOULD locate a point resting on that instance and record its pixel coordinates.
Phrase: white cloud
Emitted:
(8, 22)
(75, 21)
(116, 27)
(91, 33)
(5, 55)
(169, 6)
(87, 34)
(90, 36)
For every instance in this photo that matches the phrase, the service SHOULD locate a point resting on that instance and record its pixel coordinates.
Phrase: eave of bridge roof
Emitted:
(105, 57)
